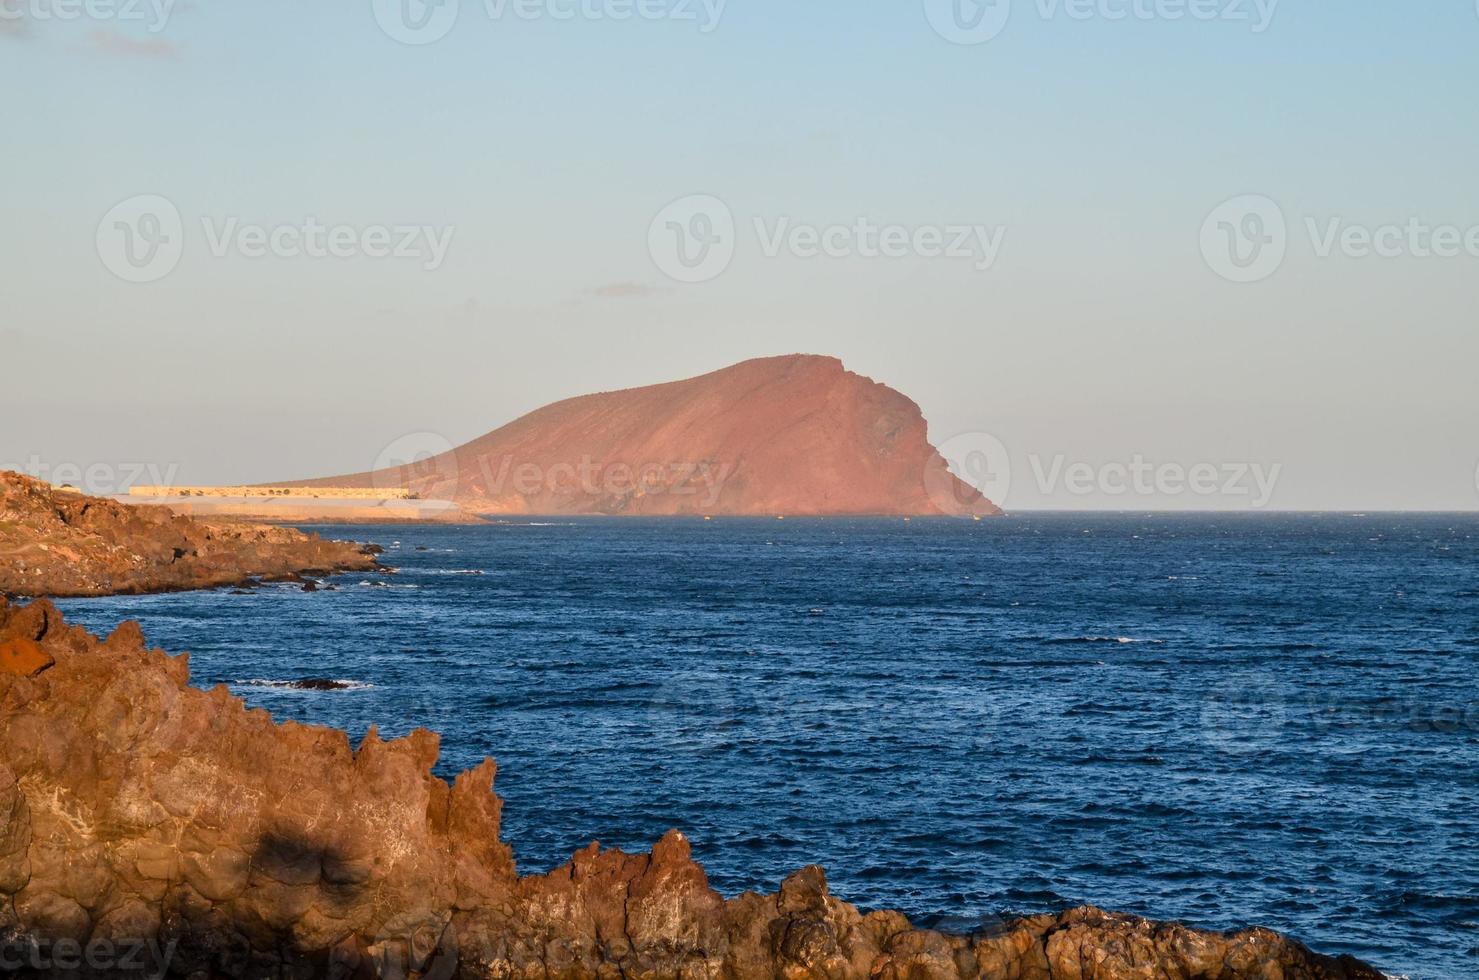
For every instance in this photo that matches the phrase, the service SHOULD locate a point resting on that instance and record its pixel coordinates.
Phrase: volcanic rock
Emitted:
(137, 812)
(796, 435)
(66, 544)
(23, 657)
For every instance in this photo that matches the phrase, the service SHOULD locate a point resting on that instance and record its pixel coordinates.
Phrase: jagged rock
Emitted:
(23, 657)
(66, 544)
(141, 813)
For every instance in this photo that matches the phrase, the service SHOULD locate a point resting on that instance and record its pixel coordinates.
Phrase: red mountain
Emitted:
(796, 435)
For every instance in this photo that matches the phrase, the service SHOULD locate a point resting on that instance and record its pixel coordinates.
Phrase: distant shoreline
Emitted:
(309, 509)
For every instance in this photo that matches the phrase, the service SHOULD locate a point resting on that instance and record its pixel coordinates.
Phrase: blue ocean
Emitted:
(1265, 719)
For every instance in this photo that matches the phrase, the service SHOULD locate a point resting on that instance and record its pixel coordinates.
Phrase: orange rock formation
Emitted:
(59, 544)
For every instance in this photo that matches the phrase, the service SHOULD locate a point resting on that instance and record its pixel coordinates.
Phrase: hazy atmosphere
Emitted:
(1105, 242)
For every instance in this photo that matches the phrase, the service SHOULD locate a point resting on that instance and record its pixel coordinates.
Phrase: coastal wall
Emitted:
(308, 509)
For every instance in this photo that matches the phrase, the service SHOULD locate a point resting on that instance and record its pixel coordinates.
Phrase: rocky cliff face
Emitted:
(56, 543)
(782, 435)
(143, 818)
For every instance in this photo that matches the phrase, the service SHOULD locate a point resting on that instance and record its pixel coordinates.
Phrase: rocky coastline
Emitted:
(141, 815)
(63, 544)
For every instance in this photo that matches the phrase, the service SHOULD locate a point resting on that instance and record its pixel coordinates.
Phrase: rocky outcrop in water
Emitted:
(62, 543)
(144, 822)
(797, 435)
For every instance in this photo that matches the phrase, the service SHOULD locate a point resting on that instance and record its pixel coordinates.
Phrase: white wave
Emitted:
(1109, 639)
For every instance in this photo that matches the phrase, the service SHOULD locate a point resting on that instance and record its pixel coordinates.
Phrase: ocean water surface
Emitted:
(1237, 720)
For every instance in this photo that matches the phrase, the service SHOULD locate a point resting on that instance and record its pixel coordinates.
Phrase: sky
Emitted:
(1112, 248)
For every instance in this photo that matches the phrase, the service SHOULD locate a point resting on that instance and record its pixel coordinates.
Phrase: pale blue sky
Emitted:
(546, 147)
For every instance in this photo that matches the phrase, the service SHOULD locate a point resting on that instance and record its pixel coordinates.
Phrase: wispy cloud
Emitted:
(121, 45)
(623, 290)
